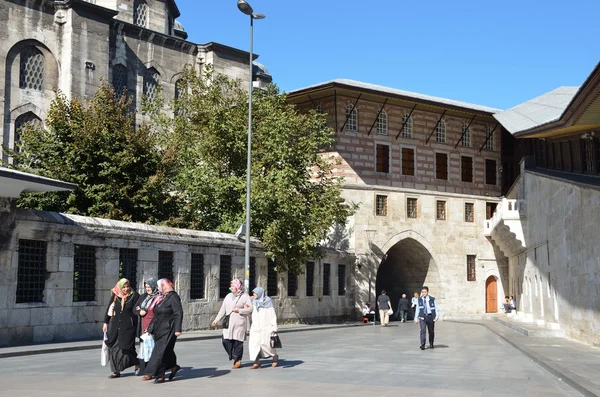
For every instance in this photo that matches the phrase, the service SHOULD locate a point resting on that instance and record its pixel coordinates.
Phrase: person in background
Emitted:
(165, 328)
(145, 309)
(368, 313)
(414, 303)
(238, 306)
(384, 305)
(264, 324)
(403, 308)
(120, 322)
(513, 303)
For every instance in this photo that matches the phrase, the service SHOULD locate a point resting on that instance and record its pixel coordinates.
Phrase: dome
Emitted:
(179, 26)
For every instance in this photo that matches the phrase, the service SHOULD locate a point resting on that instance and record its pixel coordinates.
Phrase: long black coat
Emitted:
(122, 327)
(168, 319)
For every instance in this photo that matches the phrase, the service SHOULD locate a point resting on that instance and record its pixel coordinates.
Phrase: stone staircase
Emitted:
(508, 227)
(523, 324)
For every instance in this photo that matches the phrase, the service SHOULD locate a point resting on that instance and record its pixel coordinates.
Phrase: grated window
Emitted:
(310, 278)
(31, 69)
(28, 119)
(120, 80)
(326, 279)
(224, 275)
(341, 280)
(31, 274)
(151, 79)
(165, 265)
(411, 208)
(471, 270)
(140, 13)
(197, 276)
(84, 273)
(272, 286)
(128, 265)
(441, 211)
(469, 212)
(292, 284)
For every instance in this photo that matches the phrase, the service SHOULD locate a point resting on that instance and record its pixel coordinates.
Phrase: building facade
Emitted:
(426, 172)
(74, 45)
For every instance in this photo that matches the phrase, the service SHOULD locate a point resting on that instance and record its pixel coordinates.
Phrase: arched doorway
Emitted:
(491, 295)
(407, 266)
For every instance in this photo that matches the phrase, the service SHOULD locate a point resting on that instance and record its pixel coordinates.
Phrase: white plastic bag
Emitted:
(104, 352)
(390, 312)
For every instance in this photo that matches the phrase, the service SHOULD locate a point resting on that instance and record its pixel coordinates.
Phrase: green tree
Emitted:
(295, 198)
(121, 171)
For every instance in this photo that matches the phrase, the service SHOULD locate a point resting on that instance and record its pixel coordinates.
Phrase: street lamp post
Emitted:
(245, 8)
(370, 235)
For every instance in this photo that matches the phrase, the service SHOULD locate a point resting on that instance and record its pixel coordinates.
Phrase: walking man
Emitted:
(427, 315)
(384, 305)
(403, 308)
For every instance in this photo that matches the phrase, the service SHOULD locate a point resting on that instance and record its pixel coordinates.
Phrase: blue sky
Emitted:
(493, 53)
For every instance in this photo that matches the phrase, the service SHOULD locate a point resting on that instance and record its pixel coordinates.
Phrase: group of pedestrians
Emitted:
(156, 318)
(426, 312)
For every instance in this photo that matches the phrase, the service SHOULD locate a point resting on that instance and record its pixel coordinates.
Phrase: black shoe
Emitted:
(174, 371)
(431, 345)
(422, 347)
(159, 380)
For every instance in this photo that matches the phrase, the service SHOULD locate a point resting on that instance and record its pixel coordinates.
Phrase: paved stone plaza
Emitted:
(469, 360)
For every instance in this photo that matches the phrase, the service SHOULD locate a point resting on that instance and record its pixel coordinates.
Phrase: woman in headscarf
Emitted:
(145, 309)
(264, 323)
(120, 321)
(238, 306)
(165, 328)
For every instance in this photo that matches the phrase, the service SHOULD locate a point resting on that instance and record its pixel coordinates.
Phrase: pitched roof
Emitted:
(394, 91)
(538, 111)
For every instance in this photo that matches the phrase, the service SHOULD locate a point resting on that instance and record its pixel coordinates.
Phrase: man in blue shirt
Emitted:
(427, 314)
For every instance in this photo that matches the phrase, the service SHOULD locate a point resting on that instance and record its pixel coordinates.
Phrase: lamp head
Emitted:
(258, 15)
(244, 7)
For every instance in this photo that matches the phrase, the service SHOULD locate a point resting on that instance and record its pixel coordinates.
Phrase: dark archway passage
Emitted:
(407, 266)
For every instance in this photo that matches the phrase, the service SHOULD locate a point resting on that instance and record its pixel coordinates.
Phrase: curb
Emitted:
(536, 359)
(188, 339)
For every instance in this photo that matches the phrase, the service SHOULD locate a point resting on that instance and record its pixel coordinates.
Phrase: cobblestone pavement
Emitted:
(469, 360)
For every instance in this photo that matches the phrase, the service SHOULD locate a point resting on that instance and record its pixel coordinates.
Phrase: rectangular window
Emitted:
(224, 275)
(326, 279)
(441, 166)
(31, 273)
(441, 210)
(382, 155)
(310, 278)
(341, 280)
(197, 276)
(272, 286)
(84, 273)
(380, 205)
(165, 265)
(252, 274)
(489, 145)
(471, 271)
(490, 208)
(490, 172)
(292, 284)
(466, 167)
(411, 208)
(128, 264)
(408, 161)
(469, 212)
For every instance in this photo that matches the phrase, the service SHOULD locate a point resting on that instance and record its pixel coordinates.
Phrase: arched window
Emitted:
(31, 69)
(23, 120)
(140, 13)
(407, 122)
(382, 123)
(178, 89)
(352, 117)
(466, 142)
(151, 79)
(440, 132)
(319, 108)
(119, 80)
(489, 145)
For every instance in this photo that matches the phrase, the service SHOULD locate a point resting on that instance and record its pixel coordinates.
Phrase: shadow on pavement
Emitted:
(441, 346)
(194, 373)
(289, 363)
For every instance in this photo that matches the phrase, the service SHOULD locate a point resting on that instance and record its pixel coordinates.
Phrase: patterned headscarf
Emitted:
(164, 286)
(151, 282)
(238, 285)
(118, 288)
(261, 301)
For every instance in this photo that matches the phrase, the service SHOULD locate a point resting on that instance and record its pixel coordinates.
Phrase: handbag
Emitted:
(275, 341)
(111, 308)
(104, 352)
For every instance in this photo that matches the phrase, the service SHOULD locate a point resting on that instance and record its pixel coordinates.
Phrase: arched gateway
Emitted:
(408, 263)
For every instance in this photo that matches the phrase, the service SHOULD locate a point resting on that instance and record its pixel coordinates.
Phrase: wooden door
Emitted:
(491, 295)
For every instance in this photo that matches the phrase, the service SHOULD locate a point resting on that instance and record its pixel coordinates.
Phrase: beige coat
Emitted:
(264, 322)
(238, 322)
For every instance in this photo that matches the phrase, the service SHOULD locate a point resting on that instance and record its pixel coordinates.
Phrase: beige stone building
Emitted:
(427, 172)
(72, 45)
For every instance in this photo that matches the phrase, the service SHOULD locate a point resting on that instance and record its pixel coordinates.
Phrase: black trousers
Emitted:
(234, 348)
(427, 325)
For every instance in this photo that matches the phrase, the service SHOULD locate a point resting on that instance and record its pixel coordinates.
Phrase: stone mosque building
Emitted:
(475, 202)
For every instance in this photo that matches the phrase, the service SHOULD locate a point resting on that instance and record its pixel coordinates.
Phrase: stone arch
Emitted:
(159, 69)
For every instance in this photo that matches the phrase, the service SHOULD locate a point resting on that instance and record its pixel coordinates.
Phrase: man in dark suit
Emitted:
(427, 314)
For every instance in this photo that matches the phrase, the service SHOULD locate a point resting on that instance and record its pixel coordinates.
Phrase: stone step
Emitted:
(532, 329)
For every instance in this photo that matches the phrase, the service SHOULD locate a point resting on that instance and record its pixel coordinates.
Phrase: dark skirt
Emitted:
(163, 356)
(121, 359)
(234, 348)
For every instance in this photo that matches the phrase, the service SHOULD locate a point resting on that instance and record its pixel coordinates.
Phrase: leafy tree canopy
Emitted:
(120, 170)
(295, 199)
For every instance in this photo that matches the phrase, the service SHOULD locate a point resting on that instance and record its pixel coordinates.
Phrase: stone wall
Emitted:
(556, 280)
(58, 318)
